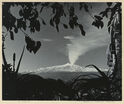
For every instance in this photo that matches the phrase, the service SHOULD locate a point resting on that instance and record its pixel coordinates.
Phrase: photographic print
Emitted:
(62, 51)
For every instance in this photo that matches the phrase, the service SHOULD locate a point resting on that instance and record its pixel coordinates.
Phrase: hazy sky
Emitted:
(60, 47)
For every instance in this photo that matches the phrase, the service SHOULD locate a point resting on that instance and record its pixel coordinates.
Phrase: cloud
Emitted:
(69, 37)
(47, 40)
(79, 45)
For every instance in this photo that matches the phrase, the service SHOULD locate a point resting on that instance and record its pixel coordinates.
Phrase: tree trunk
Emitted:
(116, 54)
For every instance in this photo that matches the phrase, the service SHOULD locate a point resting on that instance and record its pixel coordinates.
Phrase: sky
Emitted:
(66, 46)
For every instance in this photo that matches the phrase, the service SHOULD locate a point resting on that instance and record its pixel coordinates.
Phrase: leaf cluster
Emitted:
(32, 45)
(29, 13)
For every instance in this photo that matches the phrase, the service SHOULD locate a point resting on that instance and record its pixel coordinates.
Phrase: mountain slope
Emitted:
(65, 72)
(66, 68)
(62, 68)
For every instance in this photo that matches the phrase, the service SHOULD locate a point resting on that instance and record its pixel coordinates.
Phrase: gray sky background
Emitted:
(58, 47)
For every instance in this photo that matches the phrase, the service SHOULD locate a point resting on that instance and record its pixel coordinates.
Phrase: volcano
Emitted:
(66, 68)
(64, 72)
(62, 68)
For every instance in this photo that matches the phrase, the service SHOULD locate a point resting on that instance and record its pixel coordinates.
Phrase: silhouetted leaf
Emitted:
(109, 3)
(53, 9)
(37, 47)
(37, 25)
(11, 35)
(74, 19)
(57, 20)
(98, 24)
(94, 23)
(101, 72)
(65, 26)
(57, 28)
(98, 17)
(24, 25)
(109, 22)
(30, 43)
(71, 11)
(43, 22)
(101, 24)
(35, 15)
(81, 6)
(86, 8)
(109, 29)
(15, 29)
(71, 24)
(12, 20)
(14, 57)
(51, 22)
(82, 30)
(41, 9)
(19, 22)
(32, 29)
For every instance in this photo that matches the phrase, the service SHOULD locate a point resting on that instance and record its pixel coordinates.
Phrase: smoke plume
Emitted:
(79, 45)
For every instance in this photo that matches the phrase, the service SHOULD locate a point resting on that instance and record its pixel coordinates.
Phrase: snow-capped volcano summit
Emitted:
(62, 68)
(64, 72)
(67, 64)
(65, 68)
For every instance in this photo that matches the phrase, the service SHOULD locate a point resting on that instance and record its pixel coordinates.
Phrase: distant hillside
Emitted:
(65, 72)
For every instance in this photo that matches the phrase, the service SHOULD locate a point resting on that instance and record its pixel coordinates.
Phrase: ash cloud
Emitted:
(79, 45)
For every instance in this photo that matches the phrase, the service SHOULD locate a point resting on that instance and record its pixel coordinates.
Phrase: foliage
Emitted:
(97, 87)
(30, 18)
(29, 13)
(32, 45)
(84, 87)
(33, 87)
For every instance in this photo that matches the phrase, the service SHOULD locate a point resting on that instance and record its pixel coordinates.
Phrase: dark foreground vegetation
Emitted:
(33, 87)
(16, 86)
